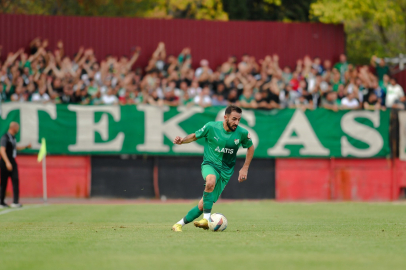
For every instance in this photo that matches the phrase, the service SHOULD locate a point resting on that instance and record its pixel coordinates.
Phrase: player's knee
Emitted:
(210, 182)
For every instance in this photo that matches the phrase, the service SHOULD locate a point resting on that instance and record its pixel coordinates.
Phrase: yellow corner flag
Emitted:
(43, 150)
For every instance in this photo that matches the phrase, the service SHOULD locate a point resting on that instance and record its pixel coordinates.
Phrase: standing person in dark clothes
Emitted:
(8, 164)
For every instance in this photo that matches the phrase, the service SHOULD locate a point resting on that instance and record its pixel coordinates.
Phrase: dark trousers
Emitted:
(5, 174)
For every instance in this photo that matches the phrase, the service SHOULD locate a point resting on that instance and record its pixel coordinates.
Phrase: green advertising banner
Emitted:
(144, 129)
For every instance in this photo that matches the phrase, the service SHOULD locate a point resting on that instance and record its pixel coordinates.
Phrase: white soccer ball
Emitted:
(218, 222)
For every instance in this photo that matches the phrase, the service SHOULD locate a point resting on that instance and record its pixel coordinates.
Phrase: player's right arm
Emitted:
(194, 136)
(188, 139)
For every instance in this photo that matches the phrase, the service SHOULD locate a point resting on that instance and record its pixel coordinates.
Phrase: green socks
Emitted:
(192, 214)
(207, 201)
(195, 212)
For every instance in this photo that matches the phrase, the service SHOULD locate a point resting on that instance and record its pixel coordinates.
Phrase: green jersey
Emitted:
(220, 148)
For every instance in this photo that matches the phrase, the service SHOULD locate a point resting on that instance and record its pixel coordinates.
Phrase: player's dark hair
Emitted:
(232, 108)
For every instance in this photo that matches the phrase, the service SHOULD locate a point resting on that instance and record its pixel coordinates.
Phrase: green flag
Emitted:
(43, 150)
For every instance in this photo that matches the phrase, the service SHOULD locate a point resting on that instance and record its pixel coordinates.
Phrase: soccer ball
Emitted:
(218, 222)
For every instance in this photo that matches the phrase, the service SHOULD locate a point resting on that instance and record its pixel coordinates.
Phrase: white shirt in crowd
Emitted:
(393, 93)
(109, 99)
(350, 103)
(39, 97)
(194, 91)
(206, 100)
(199, 72)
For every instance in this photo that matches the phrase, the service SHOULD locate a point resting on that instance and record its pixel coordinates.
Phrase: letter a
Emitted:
(305, 136)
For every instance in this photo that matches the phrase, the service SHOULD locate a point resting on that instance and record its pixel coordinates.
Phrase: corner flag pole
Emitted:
(44, 178)
(42, 156)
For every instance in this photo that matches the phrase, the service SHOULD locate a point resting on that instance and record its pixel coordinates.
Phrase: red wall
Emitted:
(401, 77)
(339, 179)
(213, 40)
(67, 176)
(296, 179)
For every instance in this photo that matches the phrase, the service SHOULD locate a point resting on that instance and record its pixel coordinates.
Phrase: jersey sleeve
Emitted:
(203, 131)
(3, 141)
(246, 141)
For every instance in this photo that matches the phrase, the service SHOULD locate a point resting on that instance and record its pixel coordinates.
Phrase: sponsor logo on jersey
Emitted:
(236, 141)
(249, 136)
(224, 150)
(216, 138)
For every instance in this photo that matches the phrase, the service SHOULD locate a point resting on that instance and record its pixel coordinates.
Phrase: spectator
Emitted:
(96, 99)
(195, 89)
(232, 96)
(330, 102)
(219, 100)
(204, 72)
(261, 98)
(154, 99)
(342, 66)
(203, 99)
(66, 96)
(247, 100)
(384, 83)
(302, 103)
(273, 96)
(186, 100)
(83, 97)
(336, 82)
(381, 95)
(350, 102)
(394, 93)
(372, 103)
(229, 66)
(41, 95)
(126, 99)
(109, 98)
(286, 75)
(170, 98)
(380, 66)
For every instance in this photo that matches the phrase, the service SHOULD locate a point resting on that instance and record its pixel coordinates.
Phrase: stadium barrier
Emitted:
(68, 176)
(338, 179)
(136, 177)
(155, 177)
(173, 178)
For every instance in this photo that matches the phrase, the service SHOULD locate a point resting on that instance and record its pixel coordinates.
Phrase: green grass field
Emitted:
(260, 235)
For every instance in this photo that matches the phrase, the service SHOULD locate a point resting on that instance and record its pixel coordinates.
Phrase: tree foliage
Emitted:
(372, 26)
(197, 9)
(187, 9)
(274, 10)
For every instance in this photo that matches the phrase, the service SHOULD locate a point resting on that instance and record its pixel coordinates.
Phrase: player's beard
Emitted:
(231, 127)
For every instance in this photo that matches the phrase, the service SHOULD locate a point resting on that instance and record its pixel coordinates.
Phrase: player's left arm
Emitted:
(244, 170)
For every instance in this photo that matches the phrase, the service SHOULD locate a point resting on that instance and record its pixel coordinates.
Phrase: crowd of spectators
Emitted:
(51, 76)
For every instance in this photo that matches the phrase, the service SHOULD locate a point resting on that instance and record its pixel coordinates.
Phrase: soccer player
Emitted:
(222, 140)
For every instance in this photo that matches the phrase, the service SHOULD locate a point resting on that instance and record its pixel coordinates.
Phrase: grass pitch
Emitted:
(260, 235)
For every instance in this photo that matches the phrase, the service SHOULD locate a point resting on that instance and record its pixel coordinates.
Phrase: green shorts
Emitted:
(220, 181)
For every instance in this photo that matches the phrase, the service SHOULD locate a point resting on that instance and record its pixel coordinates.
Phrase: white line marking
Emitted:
(22, 208)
